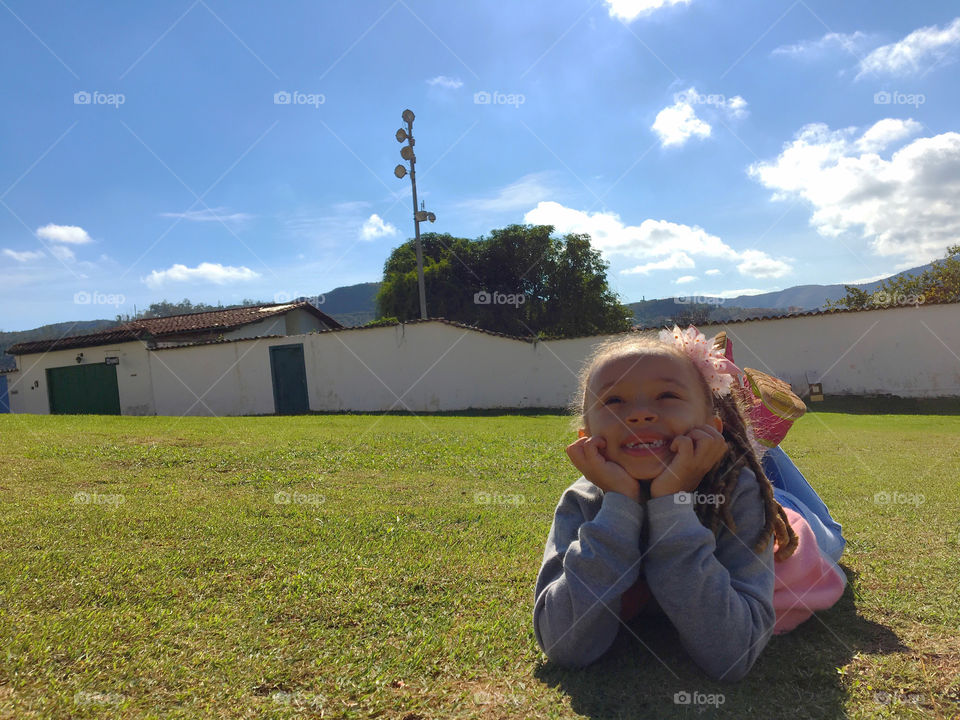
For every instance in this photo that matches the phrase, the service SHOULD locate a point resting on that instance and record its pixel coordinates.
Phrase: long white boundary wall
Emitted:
(906, 351)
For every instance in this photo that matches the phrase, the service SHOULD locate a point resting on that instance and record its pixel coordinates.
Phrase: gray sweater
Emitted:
(718, 593)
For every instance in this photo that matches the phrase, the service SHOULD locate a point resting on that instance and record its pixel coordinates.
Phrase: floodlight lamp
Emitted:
(400, 171)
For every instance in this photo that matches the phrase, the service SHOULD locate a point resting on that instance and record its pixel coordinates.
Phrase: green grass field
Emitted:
(349, 567)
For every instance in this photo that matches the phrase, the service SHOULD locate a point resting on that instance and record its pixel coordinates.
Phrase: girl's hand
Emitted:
(586, 456)
(697, 452)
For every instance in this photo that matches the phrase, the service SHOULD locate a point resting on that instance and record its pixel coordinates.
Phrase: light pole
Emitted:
(418, 213)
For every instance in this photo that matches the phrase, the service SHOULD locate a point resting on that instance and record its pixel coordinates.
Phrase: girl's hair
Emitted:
(722, 479)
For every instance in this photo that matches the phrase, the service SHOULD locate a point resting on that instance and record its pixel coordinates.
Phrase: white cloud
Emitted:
(70, 234)
(375, 227)
(917, 51)
(217, 214)
(758, 264)
(62, 253)
(677, 124)
(204, 272)
(23, 256)
(737, 107)
(908, 205)
(712, 272)
(808, 49)
(632, 9)
(685, 279)
(445, 82)
(523, 193)
(662, 244)
(676, 261)
(885, 133)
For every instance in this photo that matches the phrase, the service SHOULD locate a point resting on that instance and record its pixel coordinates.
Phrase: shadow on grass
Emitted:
(886, 405)
(796, 676)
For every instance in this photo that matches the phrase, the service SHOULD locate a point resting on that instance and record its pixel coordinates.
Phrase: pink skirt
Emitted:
(806, 581)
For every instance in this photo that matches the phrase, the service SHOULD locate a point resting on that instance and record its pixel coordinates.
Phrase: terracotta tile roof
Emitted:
(158, 328)
(103, 337)
(221, 319)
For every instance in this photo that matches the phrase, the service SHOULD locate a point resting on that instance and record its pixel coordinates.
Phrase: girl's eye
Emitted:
(611, 400)
(668, 395)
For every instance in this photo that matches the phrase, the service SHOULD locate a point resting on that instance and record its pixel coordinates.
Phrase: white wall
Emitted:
(911, 351)
(907, 351)
(28, 390)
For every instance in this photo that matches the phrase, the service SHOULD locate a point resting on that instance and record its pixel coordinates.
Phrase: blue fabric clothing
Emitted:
(792, 490)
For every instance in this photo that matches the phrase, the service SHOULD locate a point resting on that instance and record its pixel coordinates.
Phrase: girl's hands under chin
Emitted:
(697, 452)
(587, 457)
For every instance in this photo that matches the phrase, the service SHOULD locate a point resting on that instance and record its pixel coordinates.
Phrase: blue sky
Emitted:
(708, 147)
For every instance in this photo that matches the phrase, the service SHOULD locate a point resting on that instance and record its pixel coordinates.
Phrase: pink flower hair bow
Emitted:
(719, 372)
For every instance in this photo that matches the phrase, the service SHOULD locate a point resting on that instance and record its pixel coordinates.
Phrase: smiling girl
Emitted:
(673, 514)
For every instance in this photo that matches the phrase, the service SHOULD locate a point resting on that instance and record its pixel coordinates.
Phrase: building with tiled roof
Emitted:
(234, 323)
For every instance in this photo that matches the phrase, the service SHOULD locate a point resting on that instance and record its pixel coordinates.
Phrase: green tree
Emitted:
(938, 284)
(520, 280)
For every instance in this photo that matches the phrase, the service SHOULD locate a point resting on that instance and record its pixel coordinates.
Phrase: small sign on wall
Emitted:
(111, 360)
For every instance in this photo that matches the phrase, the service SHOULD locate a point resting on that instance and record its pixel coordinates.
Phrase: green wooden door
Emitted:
(89, 389)
(289, 379)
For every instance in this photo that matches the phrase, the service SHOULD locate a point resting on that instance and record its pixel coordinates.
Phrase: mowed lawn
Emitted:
(361, 566)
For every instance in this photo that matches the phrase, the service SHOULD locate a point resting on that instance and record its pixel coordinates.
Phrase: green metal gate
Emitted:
(89, 389)
(289, 379)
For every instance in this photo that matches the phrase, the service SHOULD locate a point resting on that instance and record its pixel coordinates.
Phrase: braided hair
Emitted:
(721, 480)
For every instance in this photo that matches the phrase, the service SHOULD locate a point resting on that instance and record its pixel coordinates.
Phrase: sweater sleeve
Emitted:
(718, 593)
(590, 560)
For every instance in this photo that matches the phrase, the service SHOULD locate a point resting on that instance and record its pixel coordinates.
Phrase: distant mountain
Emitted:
(808, 297)
(351, 305)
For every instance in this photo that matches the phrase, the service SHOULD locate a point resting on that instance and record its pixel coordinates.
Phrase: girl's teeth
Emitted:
(656, 443)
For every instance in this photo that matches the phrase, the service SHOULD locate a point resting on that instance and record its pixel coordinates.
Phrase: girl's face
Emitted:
(639, 403)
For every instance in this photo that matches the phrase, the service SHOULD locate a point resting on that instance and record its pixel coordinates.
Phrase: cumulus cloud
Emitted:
(675, 261)
(886, 132)
(69, 234)
(813, 49)
(907, 205)
(445, 82)
(685, 279)
(663, 245)
(374, 227)
(678, 123)
(204, 272)
(23, 256)
(712, 272)
(918, 51)
(629, 10)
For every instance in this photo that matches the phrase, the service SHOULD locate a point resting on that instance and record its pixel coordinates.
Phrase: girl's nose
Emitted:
(640, 412)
